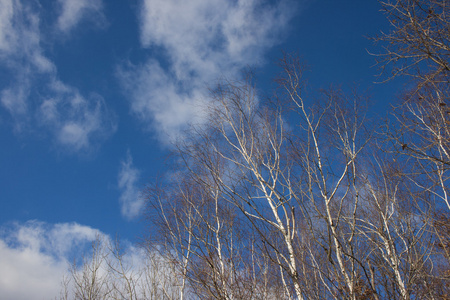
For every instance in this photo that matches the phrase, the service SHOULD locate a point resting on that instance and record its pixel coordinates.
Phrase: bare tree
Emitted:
(292, 189)
(418, 46)
(92, 281)
(111, 273)
(214, 253)
(419, 42)
(260, 209)
(285, 198)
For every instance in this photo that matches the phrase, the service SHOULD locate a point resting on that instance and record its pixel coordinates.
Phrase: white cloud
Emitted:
(130, 198)
(15, 99)
(37, 96)
(202, 40)
(77, 122)
(20, 37)
(73, 11)
(37, 257)
(203, 36)
(6, 32)
(34, 257)
(157, 99)
(29, 275)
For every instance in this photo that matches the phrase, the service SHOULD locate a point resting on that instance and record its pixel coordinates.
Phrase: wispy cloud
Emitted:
(130, 198)
(14, 100)
(76, 122)
(73, 11)
(34, 256)
(202, 41)
(157, 99)
(6, 24)
(20, 37)
(37, 98)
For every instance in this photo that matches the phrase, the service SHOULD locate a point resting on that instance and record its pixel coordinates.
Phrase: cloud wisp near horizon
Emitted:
(36, 255)
(131, 199)
(42, 257)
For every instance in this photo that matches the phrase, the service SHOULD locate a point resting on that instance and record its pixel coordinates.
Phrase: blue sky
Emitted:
(93, 92)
